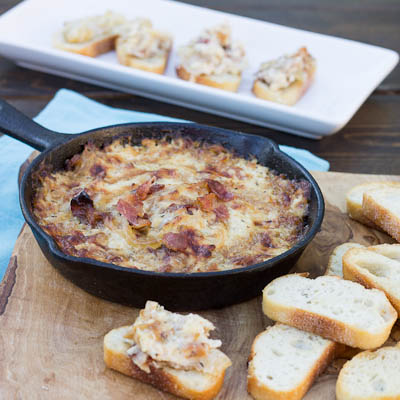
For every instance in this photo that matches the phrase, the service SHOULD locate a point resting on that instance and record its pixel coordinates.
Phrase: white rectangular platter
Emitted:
(347, 71)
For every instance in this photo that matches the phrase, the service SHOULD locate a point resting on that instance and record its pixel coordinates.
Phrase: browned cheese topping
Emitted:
(177, 206)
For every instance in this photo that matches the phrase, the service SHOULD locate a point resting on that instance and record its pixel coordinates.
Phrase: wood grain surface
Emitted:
(51, 331)
(368, 144)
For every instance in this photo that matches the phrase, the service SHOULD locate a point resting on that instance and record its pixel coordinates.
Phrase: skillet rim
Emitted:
(53, 247)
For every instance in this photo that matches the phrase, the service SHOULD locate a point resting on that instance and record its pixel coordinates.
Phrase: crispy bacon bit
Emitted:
(219, 189)
(98, 171)
(203, 250)
(82, 208)
(189, 207)
(143, 190)
(238, 172)
(165, 268)
(77, 237)
(187, 239)
(114, 259)
(266, 240)
(156, 188)
(68, 242)
(176, 241)
(286, 199)
(131, 213)
(99, 239)
(250, 260)
(208, 202)
(221, 212)
(164, 173)
(73, 162)
(211, 169)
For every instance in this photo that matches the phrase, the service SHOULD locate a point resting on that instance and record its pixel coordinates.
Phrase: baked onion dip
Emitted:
(170, 206)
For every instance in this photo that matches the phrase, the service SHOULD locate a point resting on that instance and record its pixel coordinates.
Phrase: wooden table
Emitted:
(368, 144)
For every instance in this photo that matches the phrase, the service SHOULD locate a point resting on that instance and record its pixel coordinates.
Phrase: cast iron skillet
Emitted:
(176, 291)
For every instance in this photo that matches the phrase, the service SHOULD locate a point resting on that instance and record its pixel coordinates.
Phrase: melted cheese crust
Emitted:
(177, 206)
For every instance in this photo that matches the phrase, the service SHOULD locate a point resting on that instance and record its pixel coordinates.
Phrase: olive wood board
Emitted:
(51, 332)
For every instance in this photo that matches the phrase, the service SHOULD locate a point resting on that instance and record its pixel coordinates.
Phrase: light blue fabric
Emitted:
(70, 112)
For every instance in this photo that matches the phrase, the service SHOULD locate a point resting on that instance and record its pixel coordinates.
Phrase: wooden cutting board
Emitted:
(51, 332)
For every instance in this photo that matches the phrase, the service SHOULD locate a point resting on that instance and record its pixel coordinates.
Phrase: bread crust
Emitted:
(158, 377)
(324, 326)
(155, 65)
(341, 390)
(332, 262)
(91, 49)
(354, 208)
(261, 392)
(352, 272)
(230, 85)
(381, 216)
(288, 96)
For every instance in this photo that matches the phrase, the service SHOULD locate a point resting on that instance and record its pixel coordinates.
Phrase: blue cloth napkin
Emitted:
(70, 112)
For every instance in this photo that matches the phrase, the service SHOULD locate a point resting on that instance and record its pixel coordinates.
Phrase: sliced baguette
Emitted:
(374, 270)
(186, 384)
(92, 48)
(284, 362)
(371, 375)
(289, 96)
(335, 265)
(227, 82)
(354, 199)
(382, 207)
(388, 250)
(339, 310)
(156, 64)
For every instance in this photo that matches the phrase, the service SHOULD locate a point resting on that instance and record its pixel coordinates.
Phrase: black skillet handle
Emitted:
(17, 125)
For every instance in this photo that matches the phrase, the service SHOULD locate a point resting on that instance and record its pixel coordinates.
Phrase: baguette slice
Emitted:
(374, 270)
(227, 82)
(371, 375)
(291, 94)
(186, 384)
(156, 64)
(382, 207)
(93, 48)
(89, 36)
(388, 250)
(335, 264)
(284, 362)
(354, 199)
(340, 310)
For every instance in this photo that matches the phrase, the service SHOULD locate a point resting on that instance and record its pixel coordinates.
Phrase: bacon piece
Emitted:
(132, 214)
(187, 239)
(221, 212)
(164, 173)
(73, 162)
(173, 207)
(203, 250)
(156, 188)
(82, 208)
(266, 240)
(176, 241)
(211, 169)
(238, 172)
(98, 171)
(286, 199)
(208, 202)
(143, 190)
(68, 242)
(219, 189)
